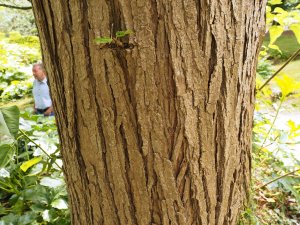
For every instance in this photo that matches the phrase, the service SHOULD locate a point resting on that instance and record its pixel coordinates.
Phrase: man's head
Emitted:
(38, 71)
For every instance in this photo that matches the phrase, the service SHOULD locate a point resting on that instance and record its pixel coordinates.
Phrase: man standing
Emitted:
(41, 93)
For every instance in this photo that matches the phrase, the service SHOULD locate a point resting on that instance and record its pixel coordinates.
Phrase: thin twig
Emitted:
(36, 144)
(284, 175)
(16, 7)
(281, 68)
(272, 125)
(289, 143)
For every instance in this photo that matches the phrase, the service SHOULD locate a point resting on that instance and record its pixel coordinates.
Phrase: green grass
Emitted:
(287, 43)
(21, 103)
(292, 69)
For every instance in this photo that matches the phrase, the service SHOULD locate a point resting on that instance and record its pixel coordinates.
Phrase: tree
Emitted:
(159, 133)
(16, 15)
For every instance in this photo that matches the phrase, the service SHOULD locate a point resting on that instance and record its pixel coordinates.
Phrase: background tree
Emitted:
(161, 133)
(16, 15)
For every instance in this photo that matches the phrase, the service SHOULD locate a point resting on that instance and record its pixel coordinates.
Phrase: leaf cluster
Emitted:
(109, 40)
(275, 141)
(32, 188)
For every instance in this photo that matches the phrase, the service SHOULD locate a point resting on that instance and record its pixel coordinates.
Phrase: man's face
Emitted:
(38, 73)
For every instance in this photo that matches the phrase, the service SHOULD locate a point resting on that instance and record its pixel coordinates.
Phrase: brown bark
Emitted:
(161, 133)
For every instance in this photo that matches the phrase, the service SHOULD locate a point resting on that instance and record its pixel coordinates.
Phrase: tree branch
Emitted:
(16, 7)
(284, 175)
(284, 65)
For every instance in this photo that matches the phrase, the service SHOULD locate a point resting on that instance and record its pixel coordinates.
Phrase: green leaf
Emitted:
(26, 165)
(280, 15)
(38, 207)
(287, 84)
(280, 11)
(51, 182)
(37, 194)
(11, 117)
(59, 204)
(4, 131)
(103, 40)
(7, 151)
(275, 47)
(289, 183)
(275, 2)
(298, 6)
(296, 29)
(9, 219)
(27, 218)
(275, 32)
(120, 34)
(19, 206)
(270, 17)
(2, 210)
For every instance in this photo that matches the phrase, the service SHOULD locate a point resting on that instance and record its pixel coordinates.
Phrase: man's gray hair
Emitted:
(40, 65)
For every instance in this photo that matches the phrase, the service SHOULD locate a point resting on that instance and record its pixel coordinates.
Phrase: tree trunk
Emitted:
(160, 133)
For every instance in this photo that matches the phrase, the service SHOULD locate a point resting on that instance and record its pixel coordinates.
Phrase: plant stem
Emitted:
(284, 175)
(5, 184)
(37, 145)
(8, 191)
(277, 112)
(281, 68)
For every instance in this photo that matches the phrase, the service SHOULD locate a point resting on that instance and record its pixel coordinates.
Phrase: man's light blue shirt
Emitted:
(41, 94)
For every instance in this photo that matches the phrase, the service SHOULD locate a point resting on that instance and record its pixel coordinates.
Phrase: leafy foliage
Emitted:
(32, 185)
(279, 21)
(276, 136)
(108, 40)
(17, 54)
(120, 34)
(116, 42)
(264, 68)
(9, 125)
(17, 20)
(275, 143)
(103, 40)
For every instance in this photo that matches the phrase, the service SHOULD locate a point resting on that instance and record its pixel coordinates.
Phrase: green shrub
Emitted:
(32, 186)
(264, 68)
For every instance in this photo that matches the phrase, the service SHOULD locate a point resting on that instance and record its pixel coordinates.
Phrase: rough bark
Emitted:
(161, 133)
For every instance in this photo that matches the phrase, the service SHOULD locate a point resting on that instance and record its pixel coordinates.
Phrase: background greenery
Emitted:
(21, 21)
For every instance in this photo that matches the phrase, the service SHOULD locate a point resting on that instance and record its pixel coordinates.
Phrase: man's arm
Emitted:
(48, 111)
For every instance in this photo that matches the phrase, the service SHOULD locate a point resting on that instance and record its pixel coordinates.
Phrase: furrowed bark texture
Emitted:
(161, 133)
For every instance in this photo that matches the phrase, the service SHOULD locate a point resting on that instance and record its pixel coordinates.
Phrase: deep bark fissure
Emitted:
(115, 19)
(207, 199)
(127, 168)
(101, 219)
(91, 77)
(83, 176)
(220, 159)
(103, 156)
(104, 153)
(53, 35)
